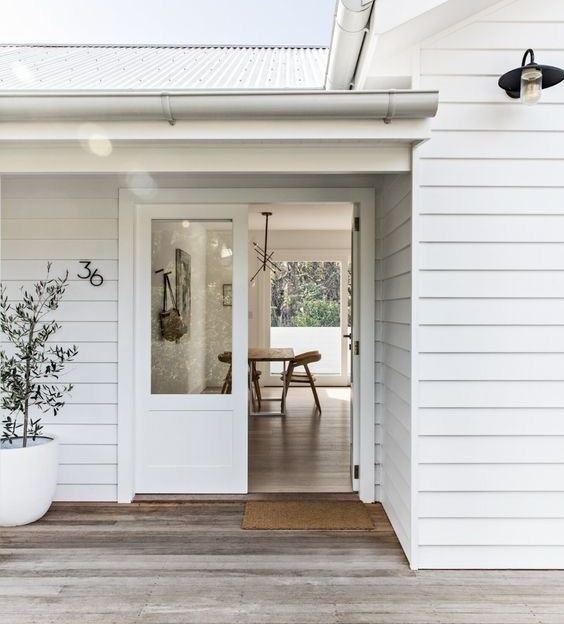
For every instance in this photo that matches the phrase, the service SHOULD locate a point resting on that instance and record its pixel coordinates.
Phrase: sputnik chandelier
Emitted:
(262, 254)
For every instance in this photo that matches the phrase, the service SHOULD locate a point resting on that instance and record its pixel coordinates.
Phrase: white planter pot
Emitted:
(28, 479)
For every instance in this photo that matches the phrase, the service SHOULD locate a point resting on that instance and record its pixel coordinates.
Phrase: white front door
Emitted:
(191, 350)
(354, 348)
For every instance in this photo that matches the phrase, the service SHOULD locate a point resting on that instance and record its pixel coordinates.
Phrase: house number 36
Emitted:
(91, 275)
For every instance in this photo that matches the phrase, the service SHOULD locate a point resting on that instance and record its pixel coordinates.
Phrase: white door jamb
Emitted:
(130, 198)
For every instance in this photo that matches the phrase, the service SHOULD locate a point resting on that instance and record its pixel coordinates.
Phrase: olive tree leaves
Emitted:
(30, 370)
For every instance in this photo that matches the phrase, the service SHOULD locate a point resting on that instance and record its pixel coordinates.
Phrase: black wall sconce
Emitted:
(528, 81)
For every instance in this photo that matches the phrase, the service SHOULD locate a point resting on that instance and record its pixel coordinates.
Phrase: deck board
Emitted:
(168, 563)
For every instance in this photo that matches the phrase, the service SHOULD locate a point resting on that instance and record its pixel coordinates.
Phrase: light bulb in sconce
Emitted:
(185, 224)
(226, 252)
(531, 85)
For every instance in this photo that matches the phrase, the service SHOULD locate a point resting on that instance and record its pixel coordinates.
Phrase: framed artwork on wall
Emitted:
(227, 295)
(184, 285)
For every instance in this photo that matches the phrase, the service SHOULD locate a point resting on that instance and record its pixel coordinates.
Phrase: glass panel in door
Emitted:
(191, 306)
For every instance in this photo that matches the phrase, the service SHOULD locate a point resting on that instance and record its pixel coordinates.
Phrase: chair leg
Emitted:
(252, 387)
(287, 378)
(256, 384)
(313, 388)
(226, 388)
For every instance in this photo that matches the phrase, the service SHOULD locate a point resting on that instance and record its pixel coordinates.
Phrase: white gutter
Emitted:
(150, 106)
(349, 32)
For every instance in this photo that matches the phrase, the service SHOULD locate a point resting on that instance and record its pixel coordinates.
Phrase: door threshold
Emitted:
(243, 498)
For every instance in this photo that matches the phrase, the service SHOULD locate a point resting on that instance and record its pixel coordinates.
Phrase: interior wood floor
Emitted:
(303, 451)
(191, 563)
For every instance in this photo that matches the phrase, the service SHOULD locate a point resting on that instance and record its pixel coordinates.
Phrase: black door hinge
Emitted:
(356, 347)
(357, 224)
(356, 471)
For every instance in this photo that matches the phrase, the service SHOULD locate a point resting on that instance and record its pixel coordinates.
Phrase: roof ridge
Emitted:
(161, 45)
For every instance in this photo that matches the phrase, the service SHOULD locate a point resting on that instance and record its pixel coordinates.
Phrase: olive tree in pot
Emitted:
(30, 367)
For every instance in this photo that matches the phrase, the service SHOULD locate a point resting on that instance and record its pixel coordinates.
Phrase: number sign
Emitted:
(92, 276)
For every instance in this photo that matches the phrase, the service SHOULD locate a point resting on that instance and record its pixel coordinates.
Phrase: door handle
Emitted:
(349, 336)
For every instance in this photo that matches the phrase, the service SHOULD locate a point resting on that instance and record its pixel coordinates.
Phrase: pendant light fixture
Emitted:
(262, 254)
(528, 81)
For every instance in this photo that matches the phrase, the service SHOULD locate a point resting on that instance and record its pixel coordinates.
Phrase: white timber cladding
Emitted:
(393, 352)
(67, 218)
(491, 300)
(64, 221)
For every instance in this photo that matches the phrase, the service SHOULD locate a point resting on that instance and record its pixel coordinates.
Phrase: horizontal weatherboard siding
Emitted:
(500, 449)
(490, 302)
(65, 220)
(394, 350)
(480, 256)
(491, 504)
(487, 366)
(491, 422)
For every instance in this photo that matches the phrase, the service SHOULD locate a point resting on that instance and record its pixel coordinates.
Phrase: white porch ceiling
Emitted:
(335, 216)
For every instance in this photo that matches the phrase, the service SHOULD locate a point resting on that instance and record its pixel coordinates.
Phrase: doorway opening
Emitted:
(196, 441)
(302, 302)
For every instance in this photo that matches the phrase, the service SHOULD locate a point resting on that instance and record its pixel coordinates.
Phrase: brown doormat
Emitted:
(307, 515)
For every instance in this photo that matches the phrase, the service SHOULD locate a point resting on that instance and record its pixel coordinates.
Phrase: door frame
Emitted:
(343, 256)
(131, 198)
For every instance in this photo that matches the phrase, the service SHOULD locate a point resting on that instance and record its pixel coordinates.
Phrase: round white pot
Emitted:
(28, 479)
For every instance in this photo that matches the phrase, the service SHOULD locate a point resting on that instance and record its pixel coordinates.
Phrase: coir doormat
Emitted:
(307, 515)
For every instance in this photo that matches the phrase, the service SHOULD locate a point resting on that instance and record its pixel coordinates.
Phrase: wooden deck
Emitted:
(191, 563)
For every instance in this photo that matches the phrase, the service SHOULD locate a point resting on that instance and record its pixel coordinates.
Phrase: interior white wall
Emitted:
(219, 325)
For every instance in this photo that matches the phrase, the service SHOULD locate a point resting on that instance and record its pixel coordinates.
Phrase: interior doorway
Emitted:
(306, 304)
(302, 301)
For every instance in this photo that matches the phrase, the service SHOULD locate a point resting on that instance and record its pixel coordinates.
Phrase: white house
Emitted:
(458, 379)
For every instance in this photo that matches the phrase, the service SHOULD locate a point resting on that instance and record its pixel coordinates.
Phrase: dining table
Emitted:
(269, 354)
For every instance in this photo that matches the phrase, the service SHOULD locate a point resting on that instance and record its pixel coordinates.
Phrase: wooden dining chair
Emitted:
(255, 376)
(225, 358)
(298, 378)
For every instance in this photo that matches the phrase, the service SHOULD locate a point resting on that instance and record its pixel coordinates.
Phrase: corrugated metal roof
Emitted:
(167, 68)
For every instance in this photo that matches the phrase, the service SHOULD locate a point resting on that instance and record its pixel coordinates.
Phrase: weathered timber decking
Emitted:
(174, 563)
